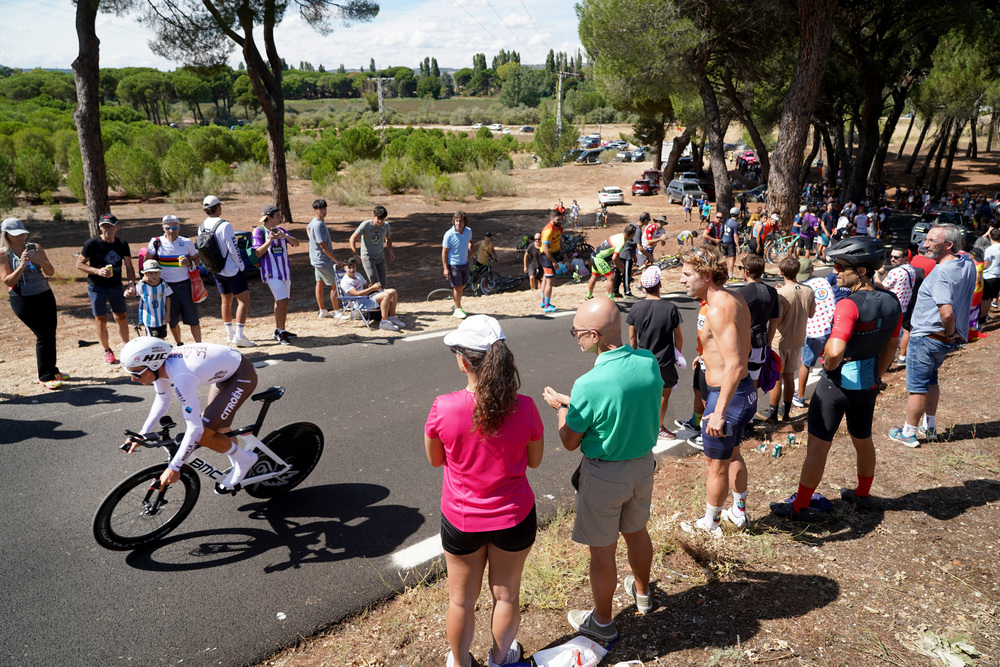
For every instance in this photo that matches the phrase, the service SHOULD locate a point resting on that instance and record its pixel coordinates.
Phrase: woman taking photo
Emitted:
(486, 436)
(23, 269)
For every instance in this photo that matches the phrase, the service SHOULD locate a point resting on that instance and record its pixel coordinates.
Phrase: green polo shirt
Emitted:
(616, 405)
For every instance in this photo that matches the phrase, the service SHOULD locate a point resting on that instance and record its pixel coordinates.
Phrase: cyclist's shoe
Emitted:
(460, 313)
(896, 433)
(583, 622)
(242, 341)
(549, 309)
(928, 434)
(109, 357)
(703, 525)
(738, 519)
(643, 603)
(398, 322)
(242, 461)
(860, 503)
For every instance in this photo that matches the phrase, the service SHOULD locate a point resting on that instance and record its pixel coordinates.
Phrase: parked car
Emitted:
(757, 194)
(653, 175)
(644, 187)
(610, 195)
(688, 176)
(506, 130)
(619, 143)
(496, 127)
(639, 155)
(684, 163)
(572, 155)
(678, 188)
(590, 156)
(938, 216)
(476, 126)
(590, 143)
(527, 129)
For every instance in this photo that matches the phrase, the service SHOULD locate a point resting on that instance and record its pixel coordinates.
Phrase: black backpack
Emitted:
(914, 288)
(208, 248)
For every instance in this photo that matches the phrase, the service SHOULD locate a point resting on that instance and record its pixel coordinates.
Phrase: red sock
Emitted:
(802, 499)
(864, 486)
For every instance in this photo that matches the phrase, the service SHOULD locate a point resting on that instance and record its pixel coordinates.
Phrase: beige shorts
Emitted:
(614, 497)
(790, 358)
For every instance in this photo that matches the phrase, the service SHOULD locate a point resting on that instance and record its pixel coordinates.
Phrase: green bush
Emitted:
(360, 143)
(250, 178)
(491, 183)
(35, 173)
(397, 175)
(34, 138)
(63, 141)
(180, 167)
(7, 146)
(56, 211)
(74, 175)
(8, 183)
(154, 139)
(133, 170)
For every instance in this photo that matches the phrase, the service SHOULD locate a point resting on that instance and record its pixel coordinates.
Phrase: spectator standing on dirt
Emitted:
(862, 342)
(711, 235)
(991, 276)
(176, 255)
(25, 270)
(706, 210)
(574, 214)
(232, 280)
(533, 260)
(611, 416)
(900, 279)
(551, 254)
(376, 238)
(654, 324)
(270, 244)
(103, 258)
(456, 247)
(654, 234)
(486, 436)
(323, 262)
(762, 301)
(154, 299)
(688, 203)
(728, 242)
(629, 254)
(818, 328)
(939, 322)
(797, 304)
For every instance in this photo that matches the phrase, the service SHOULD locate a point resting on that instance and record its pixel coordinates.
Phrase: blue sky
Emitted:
(41, 33)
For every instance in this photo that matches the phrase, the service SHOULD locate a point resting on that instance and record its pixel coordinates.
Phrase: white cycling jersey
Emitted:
(189, 367)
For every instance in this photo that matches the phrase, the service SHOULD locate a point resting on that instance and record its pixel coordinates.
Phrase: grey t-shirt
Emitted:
(372, 239)
(949, 283)
(319, 235)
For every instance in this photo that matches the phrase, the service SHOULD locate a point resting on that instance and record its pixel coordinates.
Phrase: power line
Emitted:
(63, 17)
(508, 28)
(536, 27)
(477, 22)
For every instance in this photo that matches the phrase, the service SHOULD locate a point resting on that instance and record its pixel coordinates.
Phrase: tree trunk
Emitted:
(992, 131)
(829, 168)
(86, 73)
(676, 148)
(816, 27)
(973, 150)
(931, 152)
(906, 136)
(951, 156)
(843, 160)
(807, 164)
(899, 94)
(744, 116)
(716, 135)
(868, 137)
(939, 155)
(920, 141)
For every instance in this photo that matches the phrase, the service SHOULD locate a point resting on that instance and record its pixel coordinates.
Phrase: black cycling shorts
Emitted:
(515, 538)
(830, 404)
(698, 381)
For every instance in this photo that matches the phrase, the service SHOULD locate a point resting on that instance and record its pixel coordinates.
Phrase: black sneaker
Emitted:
(282, 337)
(787, 511)
(860, 503)
(771, 416)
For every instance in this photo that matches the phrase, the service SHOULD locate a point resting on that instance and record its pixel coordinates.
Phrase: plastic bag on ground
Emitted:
(577, 652)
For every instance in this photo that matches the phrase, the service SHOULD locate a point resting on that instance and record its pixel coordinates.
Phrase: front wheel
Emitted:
(771, 253)
(300, 445)
(134, 515)
(487, 283)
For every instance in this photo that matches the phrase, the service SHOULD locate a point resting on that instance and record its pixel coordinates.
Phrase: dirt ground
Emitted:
(911, 582)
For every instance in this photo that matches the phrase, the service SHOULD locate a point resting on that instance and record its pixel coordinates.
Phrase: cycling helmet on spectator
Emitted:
(734, 210)
(858, 251)
(145, 351)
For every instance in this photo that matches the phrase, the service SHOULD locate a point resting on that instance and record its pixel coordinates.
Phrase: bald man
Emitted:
(732, 398)
(612, 416)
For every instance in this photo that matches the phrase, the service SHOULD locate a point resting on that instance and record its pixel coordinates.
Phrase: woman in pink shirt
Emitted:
(485, 436)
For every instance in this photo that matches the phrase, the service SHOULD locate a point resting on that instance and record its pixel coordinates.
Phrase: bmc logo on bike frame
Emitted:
(205, 468)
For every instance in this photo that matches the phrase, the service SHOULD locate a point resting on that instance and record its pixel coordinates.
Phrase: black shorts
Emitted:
(236, 284)
(806, 242)
(728, 249)
(991, 289)
(669, 374)
(830, 404)
(515, 538)
(698, 381)
(458, 274)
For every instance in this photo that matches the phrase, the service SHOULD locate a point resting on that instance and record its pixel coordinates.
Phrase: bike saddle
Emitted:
(272, 394)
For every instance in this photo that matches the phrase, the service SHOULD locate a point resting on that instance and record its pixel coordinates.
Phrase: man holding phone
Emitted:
(103, 258)
(270, 244)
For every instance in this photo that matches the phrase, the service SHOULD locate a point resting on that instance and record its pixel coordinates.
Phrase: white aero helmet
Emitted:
(145, 351)
(734, 211)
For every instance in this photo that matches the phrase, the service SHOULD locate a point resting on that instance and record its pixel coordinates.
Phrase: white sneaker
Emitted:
(703, 524)
(738, 519)
(398, 322)
(460, 314)
(387, 325)
(326, 313)
(513, 655)
(242, 462)
(242, 341)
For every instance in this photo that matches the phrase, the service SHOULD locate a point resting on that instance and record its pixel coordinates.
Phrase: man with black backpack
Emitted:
(216, 246)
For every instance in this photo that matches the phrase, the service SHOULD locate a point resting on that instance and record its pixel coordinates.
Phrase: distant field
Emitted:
(400, 105)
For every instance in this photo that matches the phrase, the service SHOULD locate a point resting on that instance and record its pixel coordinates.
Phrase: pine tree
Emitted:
(435, 71)
(371, 66)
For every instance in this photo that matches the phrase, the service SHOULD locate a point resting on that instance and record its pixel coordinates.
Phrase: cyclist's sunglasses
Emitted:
(840, 268)
(136, 374)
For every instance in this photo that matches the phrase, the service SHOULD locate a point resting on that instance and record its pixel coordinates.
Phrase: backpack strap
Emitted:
(215, 227)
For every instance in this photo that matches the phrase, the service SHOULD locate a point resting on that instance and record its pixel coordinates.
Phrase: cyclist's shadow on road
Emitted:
(319, 524)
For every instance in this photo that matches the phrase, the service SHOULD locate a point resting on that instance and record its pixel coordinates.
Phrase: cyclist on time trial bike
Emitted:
(152, 361)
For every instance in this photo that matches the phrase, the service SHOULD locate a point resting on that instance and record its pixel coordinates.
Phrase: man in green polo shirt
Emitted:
(612, 415)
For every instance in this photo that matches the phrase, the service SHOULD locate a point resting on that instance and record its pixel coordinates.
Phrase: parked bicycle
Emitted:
(484, 279)
(775, 248)
(138, 512)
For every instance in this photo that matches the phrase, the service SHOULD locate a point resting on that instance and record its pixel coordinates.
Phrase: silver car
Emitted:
(677, 189)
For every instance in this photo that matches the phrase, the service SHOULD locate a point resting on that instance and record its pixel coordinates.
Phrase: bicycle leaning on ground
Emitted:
(774, 249)
(138, 512)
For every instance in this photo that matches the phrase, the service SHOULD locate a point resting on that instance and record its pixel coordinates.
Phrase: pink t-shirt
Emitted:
(485, 487)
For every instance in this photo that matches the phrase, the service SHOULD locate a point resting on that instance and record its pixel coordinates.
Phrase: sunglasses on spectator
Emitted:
(172, 228)
(576, 332)
(839, 268)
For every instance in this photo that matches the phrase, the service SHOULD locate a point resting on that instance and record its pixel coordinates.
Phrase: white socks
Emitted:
(713, 515)
(930, 421)
(740, 503)
(229, 329)
(909, 431)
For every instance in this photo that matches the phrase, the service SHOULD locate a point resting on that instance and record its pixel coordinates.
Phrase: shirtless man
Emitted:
(732, 398)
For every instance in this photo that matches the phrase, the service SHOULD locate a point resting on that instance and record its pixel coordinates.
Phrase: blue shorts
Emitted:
(812, 350)
(233, 284)
(100, 297)
(740, 411)
(458, 274)
(924, 357)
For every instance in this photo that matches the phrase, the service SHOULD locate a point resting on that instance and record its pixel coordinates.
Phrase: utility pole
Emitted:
(560, 76)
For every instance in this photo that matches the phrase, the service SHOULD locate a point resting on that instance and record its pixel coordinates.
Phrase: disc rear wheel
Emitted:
(299, 445)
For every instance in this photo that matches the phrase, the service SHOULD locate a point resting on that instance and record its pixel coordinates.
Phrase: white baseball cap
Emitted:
(476, 332)
(210, 201)
(170, 220)
(14, 227)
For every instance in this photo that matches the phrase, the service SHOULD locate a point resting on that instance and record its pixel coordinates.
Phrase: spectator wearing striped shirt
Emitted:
(270, 243)
(154, 299)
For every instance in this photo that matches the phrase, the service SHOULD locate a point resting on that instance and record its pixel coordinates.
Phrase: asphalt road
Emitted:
(242, 577)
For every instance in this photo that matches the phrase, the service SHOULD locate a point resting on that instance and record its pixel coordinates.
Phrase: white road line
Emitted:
(426, 336)
(562, 313)
(673, 295)
(419, 553)
(663, 445)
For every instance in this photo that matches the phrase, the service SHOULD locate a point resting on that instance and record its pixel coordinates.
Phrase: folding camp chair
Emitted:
(363, 307)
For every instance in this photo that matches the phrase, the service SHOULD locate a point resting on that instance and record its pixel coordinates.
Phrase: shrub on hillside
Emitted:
(133, 170)
(35, 138)
(34, 173)
(8, 183)
(74, 175)
(180, 167)
(397, 175)
(250, 178)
